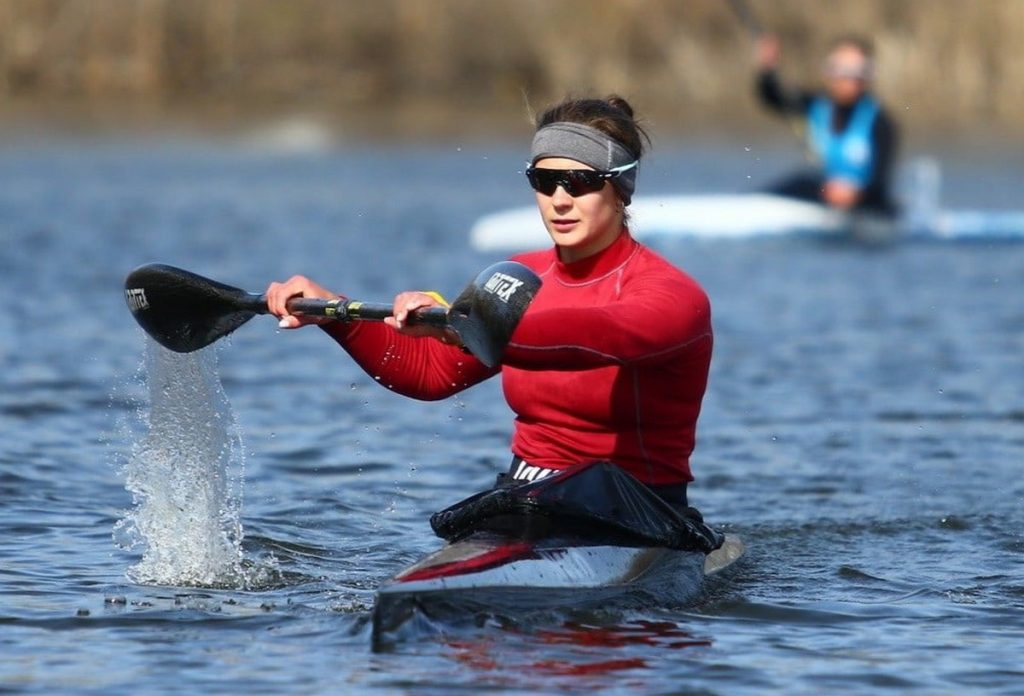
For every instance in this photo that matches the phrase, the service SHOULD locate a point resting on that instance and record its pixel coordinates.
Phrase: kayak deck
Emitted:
(731, 550)
(489, 574)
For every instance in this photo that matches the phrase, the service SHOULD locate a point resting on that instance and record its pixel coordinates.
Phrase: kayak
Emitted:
(591, 536)
(718, 216)
(486, 574)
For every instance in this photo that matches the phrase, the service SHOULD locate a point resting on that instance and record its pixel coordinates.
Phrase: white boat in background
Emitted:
(744, 215)
(709, 215)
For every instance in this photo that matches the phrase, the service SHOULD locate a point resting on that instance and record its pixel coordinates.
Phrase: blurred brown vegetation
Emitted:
(450, 66)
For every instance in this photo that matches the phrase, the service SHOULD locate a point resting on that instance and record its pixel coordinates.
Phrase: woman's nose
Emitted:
(560, 198)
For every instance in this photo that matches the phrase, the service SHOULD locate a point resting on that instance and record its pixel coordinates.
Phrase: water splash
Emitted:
(186, 476)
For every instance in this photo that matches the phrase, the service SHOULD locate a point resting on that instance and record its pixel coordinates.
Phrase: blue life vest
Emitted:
(847, 155)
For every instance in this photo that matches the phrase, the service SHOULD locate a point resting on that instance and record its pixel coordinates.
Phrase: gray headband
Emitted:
(588, 146)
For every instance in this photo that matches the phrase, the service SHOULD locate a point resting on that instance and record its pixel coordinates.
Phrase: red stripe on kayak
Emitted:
(489, 559)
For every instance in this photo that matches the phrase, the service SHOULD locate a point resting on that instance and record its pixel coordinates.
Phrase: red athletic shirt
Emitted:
(610, 362)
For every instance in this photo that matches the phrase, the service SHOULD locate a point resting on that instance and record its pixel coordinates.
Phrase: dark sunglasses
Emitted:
(576, 182)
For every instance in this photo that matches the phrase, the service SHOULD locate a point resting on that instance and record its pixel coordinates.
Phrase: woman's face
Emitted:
(580, 226)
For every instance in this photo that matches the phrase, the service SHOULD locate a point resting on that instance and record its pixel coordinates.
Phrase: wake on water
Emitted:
(186, 480)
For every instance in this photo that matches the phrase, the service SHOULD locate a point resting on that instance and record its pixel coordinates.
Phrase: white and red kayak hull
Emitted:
(489, 573)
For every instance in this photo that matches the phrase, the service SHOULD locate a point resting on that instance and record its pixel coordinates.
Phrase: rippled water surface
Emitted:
(863, 432)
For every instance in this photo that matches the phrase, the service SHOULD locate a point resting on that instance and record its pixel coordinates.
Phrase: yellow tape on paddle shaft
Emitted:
(352, 308)
(448, 338)
(437, 296)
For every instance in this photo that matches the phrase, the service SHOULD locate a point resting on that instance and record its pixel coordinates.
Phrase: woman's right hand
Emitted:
(278, 295)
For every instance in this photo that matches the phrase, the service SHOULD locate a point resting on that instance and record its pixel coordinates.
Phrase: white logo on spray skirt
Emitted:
(504, 286)
(136, 299)
(528, 472)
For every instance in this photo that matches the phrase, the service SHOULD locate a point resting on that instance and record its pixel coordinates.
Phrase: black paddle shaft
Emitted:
(184, 311)
(746, 16)
(354, 310)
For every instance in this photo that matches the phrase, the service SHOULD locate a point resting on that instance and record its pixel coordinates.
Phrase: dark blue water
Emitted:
(863, 432)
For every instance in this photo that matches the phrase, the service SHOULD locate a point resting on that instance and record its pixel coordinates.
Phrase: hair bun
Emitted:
(620, 104)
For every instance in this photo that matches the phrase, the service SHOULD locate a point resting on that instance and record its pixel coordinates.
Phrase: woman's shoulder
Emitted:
(653, 267)
(537, 261)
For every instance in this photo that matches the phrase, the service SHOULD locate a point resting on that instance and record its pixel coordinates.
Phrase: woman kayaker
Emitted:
(610, 361)
(850, 134)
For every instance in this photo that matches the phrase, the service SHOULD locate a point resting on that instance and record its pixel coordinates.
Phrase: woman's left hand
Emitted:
(406, 304)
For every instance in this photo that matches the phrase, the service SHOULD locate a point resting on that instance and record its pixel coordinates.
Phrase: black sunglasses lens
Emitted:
(576, 182)
(543, 180)
(585, 181)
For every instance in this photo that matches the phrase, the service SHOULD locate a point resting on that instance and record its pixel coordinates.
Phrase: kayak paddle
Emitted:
(745, 14)
(184, 311)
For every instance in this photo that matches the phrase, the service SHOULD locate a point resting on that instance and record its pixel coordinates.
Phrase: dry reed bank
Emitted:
(450, 66)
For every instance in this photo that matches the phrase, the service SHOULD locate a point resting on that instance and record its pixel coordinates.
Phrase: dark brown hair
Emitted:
(612, 115)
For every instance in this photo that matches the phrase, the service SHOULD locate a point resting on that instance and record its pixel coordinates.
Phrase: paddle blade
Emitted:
(489, 309)
(183, 311)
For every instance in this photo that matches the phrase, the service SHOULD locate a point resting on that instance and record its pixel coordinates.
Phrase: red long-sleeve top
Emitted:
(609, 362)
